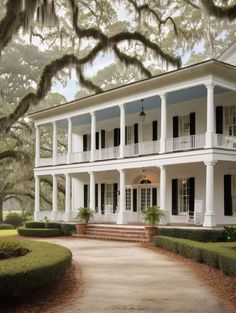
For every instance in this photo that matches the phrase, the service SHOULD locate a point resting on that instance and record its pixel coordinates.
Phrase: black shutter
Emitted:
(96, 197)
(116, 137)
(228, 210)
(103, 138)
(174, 196)
(102, 198)
(97, 140)
(175, 126)
(154, 130)
(115, 189)
(219, 120)
(134, 200)
(136, 133)
(192, 119)
(191, 195)
(154, 196)
(126, 138)
(85, 196)
(85, 142)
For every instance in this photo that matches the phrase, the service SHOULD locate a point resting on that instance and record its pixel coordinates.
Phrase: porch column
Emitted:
(69, 139)
(54, 143)
(54, 198)
(92, 191)
(122, 202)
(163, 194)
(93, 134)
(163, 123)
(210, 116)
(37, 145)
(67, 198)
(209, 218)
(122, 129)
(37, 199)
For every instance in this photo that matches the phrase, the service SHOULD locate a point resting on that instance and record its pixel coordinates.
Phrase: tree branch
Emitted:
(228, 12)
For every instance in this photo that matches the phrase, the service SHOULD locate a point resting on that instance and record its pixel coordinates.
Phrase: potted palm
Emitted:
(85, 214)
(152, 215)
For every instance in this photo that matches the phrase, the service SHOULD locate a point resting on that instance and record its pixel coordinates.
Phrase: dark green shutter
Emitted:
(175, 196)
(191, 195)
(102, 198)
(228, 208)
(85, 142)
(115, 189)
(116, 137)
(154, 130)
(96, 197)
(103, 138)
(136, 133)
(154, 196)
(219, 120)
(134, 200)
(175, 126)
(97, 140)
(126, 135)
(192, 119)
(85, 196)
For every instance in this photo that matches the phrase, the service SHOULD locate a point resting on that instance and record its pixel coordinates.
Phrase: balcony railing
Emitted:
(45, 162)
(77, 157)
(62, 159)
(107, 153)
(148, 147)
(185, 143)
(225, 142)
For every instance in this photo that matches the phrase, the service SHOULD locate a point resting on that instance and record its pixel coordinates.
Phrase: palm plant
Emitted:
(152, 215)
(85, 214)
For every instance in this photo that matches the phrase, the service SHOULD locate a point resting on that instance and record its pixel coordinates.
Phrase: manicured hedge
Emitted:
(45, 263)
(202, 235)
(68, 229)
(6, 226)
(34, 225)
(53, 225)
(219, 255)
(39, 232)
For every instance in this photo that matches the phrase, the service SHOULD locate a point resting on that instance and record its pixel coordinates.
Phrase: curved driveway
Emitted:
(124, 277)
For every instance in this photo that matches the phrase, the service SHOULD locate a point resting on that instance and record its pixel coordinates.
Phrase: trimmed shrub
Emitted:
(6, 226)
(219, 255)
(231, 232)
(68, 229)
(53, 225)
(45, 263)
(39, 232)
(34, 225)
(12, 248)
(14, 219)
(202, 235)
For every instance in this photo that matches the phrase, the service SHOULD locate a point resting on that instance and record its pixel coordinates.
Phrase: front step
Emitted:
(114, 233)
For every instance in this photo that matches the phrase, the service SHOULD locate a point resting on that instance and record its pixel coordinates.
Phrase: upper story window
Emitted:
(184, 125)
(230, 120)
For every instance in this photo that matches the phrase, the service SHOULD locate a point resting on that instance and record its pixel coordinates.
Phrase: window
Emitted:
(184, 125)
(129, 134)
(128, 199)
(183, 187)
(230, 120)
(234, 194)
(109, 194)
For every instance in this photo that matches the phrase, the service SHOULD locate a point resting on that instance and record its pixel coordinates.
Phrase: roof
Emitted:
(156, 81)
(227, 51)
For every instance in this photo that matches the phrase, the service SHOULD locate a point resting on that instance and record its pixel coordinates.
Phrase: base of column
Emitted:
(165, 220)
(67, 216)
(121, 219)
(209, 220)
(37, 216)
(54, 216)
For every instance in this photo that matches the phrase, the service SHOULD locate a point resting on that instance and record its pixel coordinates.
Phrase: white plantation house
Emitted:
(168, 141)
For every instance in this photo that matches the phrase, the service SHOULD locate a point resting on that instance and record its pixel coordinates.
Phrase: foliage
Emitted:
(85, 214)
(219, 255)
(8, 232)
(52, 225)
(34, 225)
(203, 235)
(68, 229)
(231, 232)
(14, 219)
(45, 219)
(39, 232)
(153, 215)
(10, 249)
(6, 226)
(45, 263)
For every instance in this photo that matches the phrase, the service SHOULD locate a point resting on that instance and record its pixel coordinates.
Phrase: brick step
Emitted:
(115, 234)
(111, 231)
(111, 238)
(89, 226)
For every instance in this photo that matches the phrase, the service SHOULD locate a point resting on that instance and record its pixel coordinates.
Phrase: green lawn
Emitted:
(8, 232)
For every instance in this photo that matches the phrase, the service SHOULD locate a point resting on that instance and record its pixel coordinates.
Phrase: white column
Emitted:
(92, 191)
(69, 139)
(54, 198)
(37, 145)
(93, 135)
(37, 199)
(209, 218)
(163, 193)
(122, 130)
(54, 143)
(67, 197)
(210, 116)
(122, 202)
(163, 123)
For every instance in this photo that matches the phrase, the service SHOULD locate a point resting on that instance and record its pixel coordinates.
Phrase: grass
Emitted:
(8, 232)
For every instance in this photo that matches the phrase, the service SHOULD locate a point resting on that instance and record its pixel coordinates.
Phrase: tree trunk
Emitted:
(1, 210)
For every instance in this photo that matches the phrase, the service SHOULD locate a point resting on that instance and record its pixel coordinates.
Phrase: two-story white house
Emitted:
(168, 141)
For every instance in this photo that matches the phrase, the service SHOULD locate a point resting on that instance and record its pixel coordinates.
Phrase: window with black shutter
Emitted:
(154, 196)
(97, 140)
(116, 137)
(192, 123)
(134, 200)
(102, 198)
(115, 190)
(154, 130)
(191, 195)
(136, 133)
(175, 196)
(219, 120)
(228, 207)
(103, 138)
(175, 126)
(85, 142)
(85, 196)
(96, 198)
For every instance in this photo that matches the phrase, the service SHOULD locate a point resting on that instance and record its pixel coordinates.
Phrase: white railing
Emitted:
(148, 147)
(131, 150)
(185, 143)
(107, 153)
(45, 162)
(77, 157)
(225, 142)
(62, 159)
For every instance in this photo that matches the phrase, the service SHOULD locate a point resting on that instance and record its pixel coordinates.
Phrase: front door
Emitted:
(145, 198)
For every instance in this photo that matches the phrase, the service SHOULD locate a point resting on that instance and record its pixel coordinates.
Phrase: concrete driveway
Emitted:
(124, 277)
